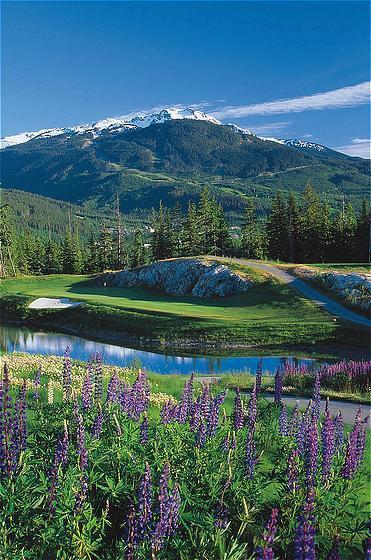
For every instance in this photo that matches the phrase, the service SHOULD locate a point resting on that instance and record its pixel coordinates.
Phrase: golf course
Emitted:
(270, 314)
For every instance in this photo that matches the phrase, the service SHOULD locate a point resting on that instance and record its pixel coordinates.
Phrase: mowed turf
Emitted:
(268, 300)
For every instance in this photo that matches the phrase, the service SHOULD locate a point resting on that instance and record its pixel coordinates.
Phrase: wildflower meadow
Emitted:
(94, 463)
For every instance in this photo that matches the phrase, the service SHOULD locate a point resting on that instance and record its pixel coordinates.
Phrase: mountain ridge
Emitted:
(142, 120)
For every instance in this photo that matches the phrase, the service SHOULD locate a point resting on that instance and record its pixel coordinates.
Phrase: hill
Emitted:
(172, 161)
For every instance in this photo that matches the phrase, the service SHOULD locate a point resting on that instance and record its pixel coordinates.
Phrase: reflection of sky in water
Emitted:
(33, 342)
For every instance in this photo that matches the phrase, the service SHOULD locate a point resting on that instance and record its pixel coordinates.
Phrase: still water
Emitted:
(20, 339)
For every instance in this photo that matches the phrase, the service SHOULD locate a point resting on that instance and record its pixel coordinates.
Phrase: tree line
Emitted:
(298, 229)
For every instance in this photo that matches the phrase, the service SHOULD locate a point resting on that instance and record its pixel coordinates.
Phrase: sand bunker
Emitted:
(53, 303)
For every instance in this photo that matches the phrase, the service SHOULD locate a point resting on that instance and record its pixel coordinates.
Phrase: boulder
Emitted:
(200, 278)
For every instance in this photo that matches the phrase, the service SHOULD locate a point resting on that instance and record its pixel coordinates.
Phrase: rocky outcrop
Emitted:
(352, 287)
(200, 278)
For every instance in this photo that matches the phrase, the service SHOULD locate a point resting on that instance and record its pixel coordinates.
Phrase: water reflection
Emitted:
(20, 339)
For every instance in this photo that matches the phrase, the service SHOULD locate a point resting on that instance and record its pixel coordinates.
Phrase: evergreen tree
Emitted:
(71, 254)
(277, 230)
(107, 258)
(251, 237)
(191, 233)
(293, 228)
(137, 253)
(53, 259)
(162, 237)
(363, 234)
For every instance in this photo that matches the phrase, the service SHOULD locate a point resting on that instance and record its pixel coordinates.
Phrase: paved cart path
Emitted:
(314, 295)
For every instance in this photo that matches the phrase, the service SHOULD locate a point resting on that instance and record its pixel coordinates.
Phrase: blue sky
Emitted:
(259, 64)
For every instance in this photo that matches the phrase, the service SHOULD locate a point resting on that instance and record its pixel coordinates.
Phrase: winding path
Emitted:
(314, 295)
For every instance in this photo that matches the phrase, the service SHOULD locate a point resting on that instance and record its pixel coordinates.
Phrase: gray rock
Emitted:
(203, 279)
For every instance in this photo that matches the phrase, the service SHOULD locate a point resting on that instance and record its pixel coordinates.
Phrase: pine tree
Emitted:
(293, 228)
(191, 233)
(277, 230)
(251, 237)
(53, 259)
(363, 234)
(137, 253)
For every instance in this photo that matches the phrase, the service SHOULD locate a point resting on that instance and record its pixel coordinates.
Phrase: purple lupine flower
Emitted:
(186, 401)
(301, 433)
(131, 536)
(213, 420)
(361, 442)
(87, 390)
(282, 420)
(334, 552)
(367, 548)
(144, 431)
(174, 507)
(258, 376)
(83, 463)
(195, 417)
(238, 419)
(305, 544)
(328, 444)
(201, 433)
(60, 459)
(97, 425)
(311, 452)
(234, 441)
(317, 396)
(113, 389)
(278, 385)
(265, 552)
(252, 409)
(67, 375)
(225, 443)
(168, 521)
(137, 401)
(355, 448)
(293, 471)
(144, 504)
(37, 384)
(250, 456)
(163, 493)
(294, 421)
(339, 431)
(6, 423)
(221, 510)
(81, 447)
(22, 418)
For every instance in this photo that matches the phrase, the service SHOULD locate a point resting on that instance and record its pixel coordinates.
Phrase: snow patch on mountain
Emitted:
(171, 113)
(109, 124)
(240, 130)
(130, 122)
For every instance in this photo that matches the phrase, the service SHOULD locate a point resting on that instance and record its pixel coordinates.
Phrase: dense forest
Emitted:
(297, 229)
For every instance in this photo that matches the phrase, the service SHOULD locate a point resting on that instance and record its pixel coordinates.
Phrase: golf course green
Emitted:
(269, 314)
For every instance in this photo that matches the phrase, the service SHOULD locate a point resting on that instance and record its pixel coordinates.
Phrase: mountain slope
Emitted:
(171, 161)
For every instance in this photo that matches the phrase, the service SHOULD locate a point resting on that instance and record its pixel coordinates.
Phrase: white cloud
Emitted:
(360, 147)
(349, 96)
(269, 128)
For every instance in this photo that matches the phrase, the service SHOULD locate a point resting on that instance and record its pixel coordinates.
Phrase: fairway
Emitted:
(268, 300)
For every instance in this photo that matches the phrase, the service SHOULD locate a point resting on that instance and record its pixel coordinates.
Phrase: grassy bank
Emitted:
(269, 315)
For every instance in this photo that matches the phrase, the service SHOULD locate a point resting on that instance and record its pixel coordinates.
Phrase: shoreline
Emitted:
(189, 347)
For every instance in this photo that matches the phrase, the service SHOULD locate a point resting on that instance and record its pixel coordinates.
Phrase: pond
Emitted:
(20, 339)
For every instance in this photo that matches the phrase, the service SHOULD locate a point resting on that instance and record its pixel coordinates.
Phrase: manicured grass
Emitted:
(270, 314)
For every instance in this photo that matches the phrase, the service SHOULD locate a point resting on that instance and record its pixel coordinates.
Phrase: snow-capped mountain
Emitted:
(171, 113)
(109, 124)
(295, 143)
(142, 120)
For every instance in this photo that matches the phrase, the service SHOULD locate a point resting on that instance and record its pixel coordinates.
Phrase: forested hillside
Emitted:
(172, 162)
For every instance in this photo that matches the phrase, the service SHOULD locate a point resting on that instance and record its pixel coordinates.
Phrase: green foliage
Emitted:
(116, 463)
